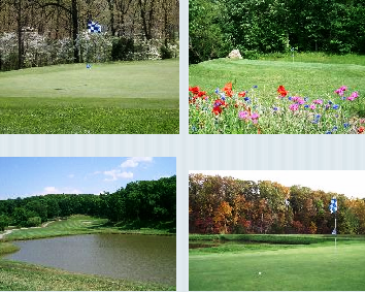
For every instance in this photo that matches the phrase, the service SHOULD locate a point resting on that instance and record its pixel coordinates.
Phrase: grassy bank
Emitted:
(77, 224)
(239, 263)
(7, 247)
(116, 98)
(15, 276)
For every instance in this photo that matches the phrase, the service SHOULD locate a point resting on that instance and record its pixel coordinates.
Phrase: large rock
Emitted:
(235, 54)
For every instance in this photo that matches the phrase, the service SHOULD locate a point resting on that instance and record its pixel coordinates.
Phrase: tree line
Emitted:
(140, 203)
(228, 205)
(265, 26)
(44, 32)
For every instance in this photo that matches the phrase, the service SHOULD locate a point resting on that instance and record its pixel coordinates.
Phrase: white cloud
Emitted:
(51, 190)
(54, 190)
(134, 161)
(115, 174)
(71, 175)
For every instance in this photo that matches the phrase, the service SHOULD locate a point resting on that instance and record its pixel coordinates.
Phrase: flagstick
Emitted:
(336, 230)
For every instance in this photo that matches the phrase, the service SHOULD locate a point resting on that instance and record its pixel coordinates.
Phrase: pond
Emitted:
(147, 258)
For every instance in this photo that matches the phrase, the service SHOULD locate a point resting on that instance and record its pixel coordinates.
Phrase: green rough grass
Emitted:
(7, 247)
(236, 265)
(15, 276)
(312, 57)
(116, 98)
(305, 79)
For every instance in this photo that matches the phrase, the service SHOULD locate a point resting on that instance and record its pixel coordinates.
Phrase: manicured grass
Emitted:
(15, 276)
(117, 98)
(310, 80)
(316, 267)
(76, 224)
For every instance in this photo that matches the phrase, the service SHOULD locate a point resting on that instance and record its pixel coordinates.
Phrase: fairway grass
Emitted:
(74, 225)
(16, 276)
(314, 267)
(116, 98)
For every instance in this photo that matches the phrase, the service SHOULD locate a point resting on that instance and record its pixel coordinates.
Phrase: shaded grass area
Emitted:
(271, 238)
(25, 115)
(312, 57)
(241, 265)
(116, 98)
(15, 276)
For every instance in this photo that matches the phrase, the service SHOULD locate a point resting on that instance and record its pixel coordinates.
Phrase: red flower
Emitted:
(217, 110)
(282, 91)
(228, 89)
(194, 90)
(201, 93)
(242, 94)
(361, 130)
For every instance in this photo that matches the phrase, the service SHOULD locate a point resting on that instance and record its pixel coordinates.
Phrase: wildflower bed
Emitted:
(234, 109)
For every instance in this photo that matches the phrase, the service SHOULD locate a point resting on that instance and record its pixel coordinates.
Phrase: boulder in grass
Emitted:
(235, 54)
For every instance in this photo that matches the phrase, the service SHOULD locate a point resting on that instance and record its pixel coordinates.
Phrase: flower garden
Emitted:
(234, 110)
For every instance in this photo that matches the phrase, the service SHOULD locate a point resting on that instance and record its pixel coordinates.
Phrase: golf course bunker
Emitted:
(146, 258)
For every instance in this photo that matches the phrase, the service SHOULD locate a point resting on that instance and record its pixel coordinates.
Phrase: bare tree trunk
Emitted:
(75, 29)
(111, 9)
(20, 34)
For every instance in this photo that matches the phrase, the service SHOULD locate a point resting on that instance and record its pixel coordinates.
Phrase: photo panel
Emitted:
(276, 67)
(91, 224)
(276, 230)
(89, 67)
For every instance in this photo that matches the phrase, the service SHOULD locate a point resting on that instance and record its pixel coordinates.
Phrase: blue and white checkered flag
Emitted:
(334, 232)
(93, 27)
(333, 205)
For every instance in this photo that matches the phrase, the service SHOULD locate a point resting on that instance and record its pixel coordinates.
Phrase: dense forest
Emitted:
(140, 204)
(265, 26)
(45, 32)
(227, 205)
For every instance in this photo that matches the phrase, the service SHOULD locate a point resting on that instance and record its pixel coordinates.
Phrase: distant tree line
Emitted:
(227, 205)
(265, 26)
(45, 32)
(141, 203)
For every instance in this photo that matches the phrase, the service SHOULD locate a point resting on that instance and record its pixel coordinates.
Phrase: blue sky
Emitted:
(29, 176)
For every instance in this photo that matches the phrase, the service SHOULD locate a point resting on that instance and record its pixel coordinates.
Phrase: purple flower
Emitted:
(336, 106)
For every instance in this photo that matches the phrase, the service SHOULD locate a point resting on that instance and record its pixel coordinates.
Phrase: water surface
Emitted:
(147, 258)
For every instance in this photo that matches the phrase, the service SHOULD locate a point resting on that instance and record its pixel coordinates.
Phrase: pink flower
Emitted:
(312, 106)
(318, 101)
(343, 88)
(355, 94)
(298, 99)
(255, 116)
(244, 115)
(294, 107)
(351, 98)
